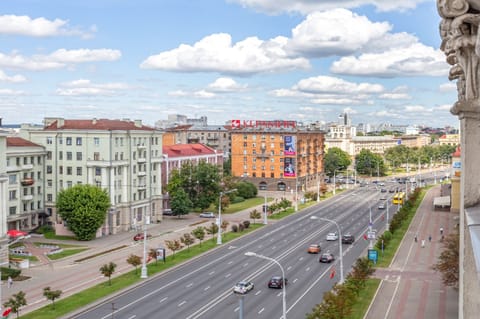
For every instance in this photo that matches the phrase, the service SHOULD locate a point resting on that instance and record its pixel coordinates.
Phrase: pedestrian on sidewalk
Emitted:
(423, 243)
(429, 238)
(416, 239)
(9, 282)
(441, 230)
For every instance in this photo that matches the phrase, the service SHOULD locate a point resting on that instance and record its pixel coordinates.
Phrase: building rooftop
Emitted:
(96, 124)
(181, 150)
(19, 142)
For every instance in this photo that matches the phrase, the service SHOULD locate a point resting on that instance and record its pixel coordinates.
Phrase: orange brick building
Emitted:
(275, 154)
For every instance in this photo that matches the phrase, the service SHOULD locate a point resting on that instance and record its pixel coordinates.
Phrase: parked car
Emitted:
(348, 239)
(167, 212)
(207, 215)
(314, 249)
(332, 236)
(243, 287)
(277, 282)
(391, 190)
(139, 236)
(326, 258)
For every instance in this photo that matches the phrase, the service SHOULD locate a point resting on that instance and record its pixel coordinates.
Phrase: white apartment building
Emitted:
(25, 172)
(121, 156)
(3, 198)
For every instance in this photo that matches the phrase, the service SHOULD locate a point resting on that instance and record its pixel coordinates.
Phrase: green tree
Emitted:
(135, 261)
(336, 160)
(448, 261)
(180, 203)
(369, 163)
(212, 230)
(51, 295)
(173, 245)
(255, 214)
(246, 189)
(187, 239)
(84, 208)
(16, 301)
(337, 304)
(107, 270)
(199, 233)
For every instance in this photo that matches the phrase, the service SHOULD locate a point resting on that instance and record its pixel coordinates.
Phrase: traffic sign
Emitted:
(371, 235)
(373, 255)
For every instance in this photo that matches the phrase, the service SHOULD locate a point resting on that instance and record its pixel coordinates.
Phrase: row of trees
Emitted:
(368, 163)
(18, 300)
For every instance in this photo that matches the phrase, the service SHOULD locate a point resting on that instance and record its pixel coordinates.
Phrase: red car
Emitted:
(139, 236)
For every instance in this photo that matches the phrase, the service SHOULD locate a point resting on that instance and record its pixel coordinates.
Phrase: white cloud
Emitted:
(5, 92)
(307, 6)
(217, 53)
(39, 27)
(448, 87)
(415, 60)
(416, 108)
(335, 32)
(225, 85)
(84, 87)
(203, 94)
(332, 85)
(13, 79)
(58, 59)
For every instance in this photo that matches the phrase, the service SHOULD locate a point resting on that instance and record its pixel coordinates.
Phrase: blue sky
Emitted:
(300, 60)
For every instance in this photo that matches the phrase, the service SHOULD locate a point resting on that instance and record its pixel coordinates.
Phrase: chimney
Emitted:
(138, 123)
(94, 121)
(60, 122)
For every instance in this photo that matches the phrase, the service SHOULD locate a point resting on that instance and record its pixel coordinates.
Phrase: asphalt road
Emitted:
(202, 288)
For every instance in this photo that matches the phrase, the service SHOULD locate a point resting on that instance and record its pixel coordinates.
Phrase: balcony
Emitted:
(142, 186)
(27, 181)
(26, 167)
(141, 146)
(142, 160)
(27, 197)
(142, 173)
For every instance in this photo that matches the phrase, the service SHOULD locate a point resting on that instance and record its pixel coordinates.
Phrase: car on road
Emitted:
(314, 249)
(332, 236)
(381, 206)
(207, 215)
(139, 236)
(381, 184)
(277, 282)
(383, 190)
(167, 212)
(391, 190)
(326, 258)
(243, 287)
(348, 238)
(383, 197)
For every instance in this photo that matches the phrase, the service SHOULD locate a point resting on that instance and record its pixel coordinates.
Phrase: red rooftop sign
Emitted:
(239, 124)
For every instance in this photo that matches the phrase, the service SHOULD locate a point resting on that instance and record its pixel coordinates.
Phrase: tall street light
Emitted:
(144, 271)
(219, 233)
(339, 241)
(284, 303)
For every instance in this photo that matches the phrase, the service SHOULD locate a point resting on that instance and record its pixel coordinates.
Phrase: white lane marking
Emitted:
(230, 262)
(258, 292)
(134, 316)
(294, 280)
(289, 267)
(308, 269)
(211, 273)
(190, 285)
(228, 275)
(261, 310)
(236, 309)
(182, 303)
(279, 294)
(162, 300)
(206, 288)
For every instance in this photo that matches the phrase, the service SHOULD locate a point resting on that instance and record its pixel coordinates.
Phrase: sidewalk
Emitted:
(410, 289)
(72, 277)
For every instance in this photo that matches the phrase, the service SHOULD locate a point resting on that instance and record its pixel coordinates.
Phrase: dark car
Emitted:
(277, 282)
(167, 212)
(348, 239)
(326, 258)
(139, 236)
(391, 190)
(383, 190)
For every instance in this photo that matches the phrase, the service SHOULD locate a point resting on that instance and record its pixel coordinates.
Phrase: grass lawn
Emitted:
(66, 253)
(364, 299)
(31, 258)
(71, 303)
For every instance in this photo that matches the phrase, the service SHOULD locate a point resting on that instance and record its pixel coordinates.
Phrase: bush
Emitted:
(246, 223)
(45, 229)
(241, 227)
(237, 199)
(234, 228)
(10, 272)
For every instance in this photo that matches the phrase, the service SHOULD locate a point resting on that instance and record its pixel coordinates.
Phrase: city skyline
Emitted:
(234, 59)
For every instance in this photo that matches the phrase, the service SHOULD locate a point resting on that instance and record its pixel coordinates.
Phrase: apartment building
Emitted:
(3, 198)
(277, 155)
(26, 177)
(121, 156)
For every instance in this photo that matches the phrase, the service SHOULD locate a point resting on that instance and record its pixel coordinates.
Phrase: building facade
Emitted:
(121, 156)
(3, 199)
(26, 178)
(276, 155)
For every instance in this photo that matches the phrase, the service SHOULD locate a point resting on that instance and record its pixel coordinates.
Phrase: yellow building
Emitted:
(274, 155)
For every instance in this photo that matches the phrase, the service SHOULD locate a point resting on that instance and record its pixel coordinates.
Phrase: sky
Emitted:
(302, 60)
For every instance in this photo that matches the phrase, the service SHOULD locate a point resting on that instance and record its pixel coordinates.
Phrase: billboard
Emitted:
(289, 167)
(289, 145)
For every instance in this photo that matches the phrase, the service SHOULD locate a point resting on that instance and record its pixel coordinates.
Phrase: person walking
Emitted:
(423, 243)
(416, 238)
(429, 238)
(9, 282)
(441, 230)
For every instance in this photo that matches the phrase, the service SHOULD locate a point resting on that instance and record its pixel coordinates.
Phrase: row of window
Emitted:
(12, 210)
(119, 141)
(26, 160)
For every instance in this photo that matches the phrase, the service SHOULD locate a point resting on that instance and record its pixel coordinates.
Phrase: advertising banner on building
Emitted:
(289, 145)
(289, 167)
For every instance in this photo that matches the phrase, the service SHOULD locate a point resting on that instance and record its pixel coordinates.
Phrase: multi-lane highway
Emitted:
(202, 288)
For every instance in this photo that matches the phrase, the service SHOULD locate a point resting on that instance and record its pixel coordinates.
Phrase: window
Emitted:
(98, 171)
(79, 156)
(60, 140)
(49, 140)
(68, 141)
(12, 179)
(25, 161)
(69, 170)
(69, 184)
(96, 156)
(49, 169)
(60, 155)
(69, 156)
(39, 160)
(96, 141)
(12, 195)
(25, 207)
(272, 175)
(39, 175)
(60, 169)
(49, 155)
(32, 205)
(79, 141)
(79, 171)
(12, 210)
(49, 197)
(39, 190)
(49, 183)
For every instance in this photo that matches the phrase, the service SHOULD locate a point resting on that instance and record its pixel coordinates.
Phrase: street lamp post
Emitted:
(370, 224)
(284, 303)
(265, 210)
(339, 242)
(219, 233)
(334, 186)
(144, 270)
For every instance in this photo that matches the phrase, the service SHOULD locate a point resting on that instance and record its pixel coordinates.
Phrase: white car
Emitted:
(332, 236)
(207, 215)
(243, 287)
